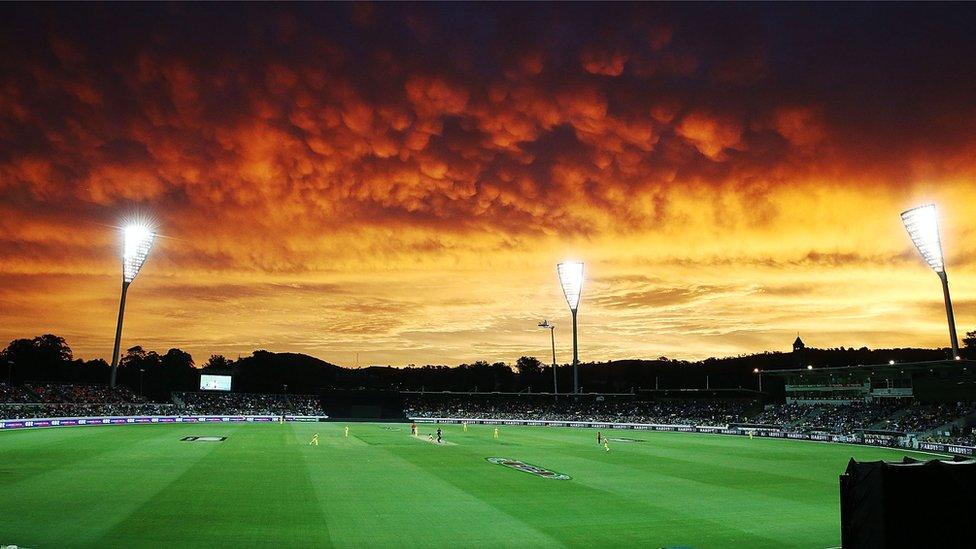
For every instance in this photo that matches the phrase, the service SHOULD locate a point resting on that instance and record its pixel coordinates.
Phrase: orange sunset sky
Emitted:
(399, 181)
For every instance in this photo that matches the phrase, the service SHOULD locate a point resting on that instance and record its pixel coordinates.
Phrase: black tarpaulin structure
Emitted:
(917, 504)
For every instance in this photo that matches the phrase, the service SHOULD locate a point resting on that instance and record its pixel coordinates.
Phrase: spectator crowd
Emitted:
(684, 412)
(12, 394)
(83, 394)
(891, 417)
(947, 422)
(217, 403)
(837, 419)
(66, 400)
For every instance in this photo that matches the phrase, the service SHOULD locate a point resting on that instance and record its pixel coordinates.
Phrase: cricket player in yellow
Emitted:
(347, 430)
(464, 425)
(315, 440)
(605, 445)
(495, 433)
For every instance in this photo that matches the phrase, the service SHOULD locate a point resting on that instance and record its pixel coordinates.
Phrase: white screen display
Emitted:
(215, 383)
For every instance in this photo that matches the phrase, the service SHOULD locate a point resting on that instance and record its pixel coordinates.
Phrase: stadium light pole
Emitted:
(137, 241)
(758, 371)
(571, 279)
(922, 224)
(552, 335)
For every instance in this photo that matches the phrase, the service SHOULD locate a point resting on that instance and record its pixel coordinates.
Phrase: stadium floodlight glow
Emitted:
(137, 240)
(571, 279)
(922, 224)
(552, 333)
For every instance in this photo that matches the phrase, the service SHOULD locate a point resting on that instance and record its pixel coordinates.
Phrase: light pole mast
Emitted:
(922, 224)
(575, 356)
(552, 336)
(953, 339)
(571, 279)
(118, 333)
(137, 241)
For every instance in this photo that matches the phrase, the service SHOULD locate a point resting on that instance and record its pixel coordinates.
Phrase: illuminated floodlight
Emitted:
(571, 279)
(138, 240)
(922, 224)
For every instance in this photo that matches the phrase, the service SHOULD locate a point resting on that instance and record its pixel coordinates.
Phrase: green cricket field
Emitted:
(264, 485)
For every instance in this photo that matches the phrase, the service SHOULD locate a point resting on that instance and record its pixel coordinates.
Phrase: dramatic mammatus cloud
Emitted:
(399, 181)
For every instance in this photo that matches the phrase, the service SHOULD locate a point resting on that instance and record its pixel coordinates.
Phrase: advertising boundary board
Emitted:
(768, 432)
(48, 422)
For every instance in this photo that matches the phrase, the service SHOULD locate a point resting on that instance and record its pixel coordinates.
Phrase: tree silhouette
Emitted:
(528, 365)
(218, 362)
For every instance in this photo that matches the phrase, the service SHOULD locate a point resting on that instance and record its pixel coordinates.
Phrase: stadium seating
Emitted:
(686, 412)
(14, 394)
(206, 403)
(68, 400)
(945, 423)
(926, 421)
(85, 394)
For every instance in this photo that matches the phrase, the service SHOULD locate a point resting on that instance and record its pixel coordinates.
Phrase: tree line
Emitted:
(49, 358)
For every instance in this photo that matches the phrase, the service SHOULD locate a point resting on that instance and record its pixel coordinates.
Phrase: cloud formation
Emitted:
(346, 178)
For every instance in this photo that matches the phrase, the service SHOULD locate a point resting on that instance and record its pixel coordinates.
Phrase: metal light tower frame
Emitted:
(922, 224)
(552, 334)
(571, 279)
(137, 241)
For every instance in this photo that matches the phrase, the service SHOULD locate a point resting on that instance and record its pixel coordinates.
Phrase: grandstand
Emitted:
(890, 404)
(909, 402)
(930, 380)
(59, 400)
(901, 404)
(211, 403)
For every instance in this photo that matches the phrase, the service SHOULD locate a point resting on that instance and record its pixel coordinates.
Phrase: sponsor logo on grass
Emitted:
(624, 439)
(528, 468)
(203, 439)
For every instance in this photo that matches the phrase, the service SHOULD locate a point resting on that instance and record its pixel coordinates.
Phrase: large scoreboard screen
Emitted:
(214, 383)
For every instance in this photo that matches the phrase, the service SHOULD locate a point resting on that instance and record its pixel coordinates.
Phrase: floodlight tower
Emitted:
(571, 279)
(137, 241)
(922, 224)
(552, 333)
